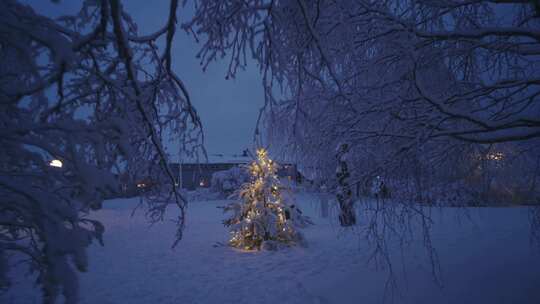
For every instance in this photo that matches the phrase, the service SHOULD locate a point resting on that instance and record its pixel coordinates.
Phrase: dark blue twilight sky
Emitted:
(228, 108)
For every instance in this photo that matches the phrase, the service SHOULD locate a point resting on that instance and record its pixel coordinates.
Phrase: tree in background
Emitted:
(85, 100)
(264, 217)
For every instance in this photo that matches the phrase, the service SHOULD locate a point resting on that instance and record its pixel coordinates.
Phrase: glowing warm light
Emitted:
(261, 154)
(202, 183)
(141, 185)
(56, 163)
(495, 156)
(261, 193)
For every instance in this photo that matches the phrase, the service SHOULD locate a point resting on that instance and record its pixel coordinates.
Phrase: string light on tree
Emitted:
(264, 216)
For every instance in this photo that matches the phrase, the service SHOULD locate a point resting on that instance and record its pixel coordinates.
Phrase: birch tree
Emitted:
(433, 82)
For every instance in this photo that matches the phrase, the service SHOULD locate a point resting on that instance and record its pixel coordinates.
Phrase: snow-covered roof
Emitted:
(224, 159)
(221, 159)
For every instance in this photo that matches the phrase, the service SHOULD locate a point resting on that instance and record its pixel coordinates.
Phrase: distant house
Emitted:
(194, 175)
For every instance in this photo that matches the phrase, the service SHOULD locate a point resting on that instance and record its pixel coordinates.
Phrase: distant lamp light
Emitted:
(202, 183)
(56, 163)
(141, 185)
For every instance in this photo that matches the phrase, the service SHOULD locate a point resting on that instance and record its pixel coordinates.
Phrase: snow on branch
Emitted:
(87, 92)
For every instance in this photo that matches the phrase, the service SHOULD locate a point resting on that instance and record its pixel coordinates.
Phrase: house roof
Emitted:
(221, 159)
(224, 159)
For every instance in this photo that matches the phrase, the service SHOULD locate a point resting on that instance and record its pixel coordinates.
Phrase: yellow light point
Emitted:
(258, 182)
(495, 156)
(261, 153)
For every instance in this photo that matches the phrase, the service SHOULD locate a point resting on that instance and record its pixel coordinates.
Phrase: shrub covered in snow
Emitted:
(227, 181)
(202, 194)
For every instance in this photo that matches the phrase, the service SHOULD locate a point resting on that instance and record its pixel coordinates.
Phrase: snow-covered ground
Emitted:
(484, 253)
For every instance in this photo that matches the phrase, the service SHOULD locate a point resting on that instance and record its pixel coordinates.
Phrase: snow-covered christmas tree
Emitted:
(264, 216)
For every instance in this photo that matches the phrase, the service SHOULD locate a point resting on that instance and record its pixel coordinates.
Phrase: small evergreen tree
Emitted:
(264, 217)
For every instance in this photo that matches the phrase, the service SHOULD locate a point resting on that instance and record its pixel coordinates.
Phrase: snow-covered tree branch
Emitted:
(90, 93)
(434, 81)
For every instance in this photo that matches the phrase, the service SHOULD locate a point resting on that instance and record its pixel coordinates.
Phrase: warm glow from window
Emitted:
(56, 163)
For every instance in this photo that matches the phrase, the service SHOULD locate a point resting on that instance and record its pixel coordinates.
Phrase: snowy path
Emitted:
(489, 261)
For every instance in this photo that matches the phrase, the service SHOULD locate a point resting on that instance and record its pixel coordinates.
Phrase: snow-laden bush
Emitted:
(201, 195)
(227, 181)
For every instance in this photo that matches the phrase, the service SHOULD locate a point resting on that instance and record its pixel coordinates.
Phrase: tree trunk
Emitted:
(347, 215)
